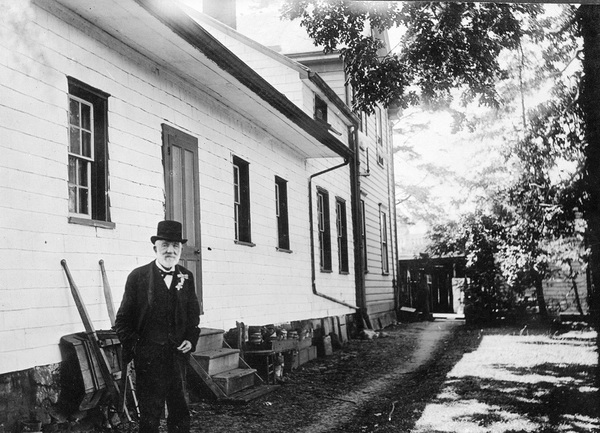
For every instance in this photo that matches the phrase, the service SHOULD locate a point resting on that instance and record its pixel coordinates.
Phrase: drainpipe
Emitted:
(392, 220)
(357, 223)
(312, 237)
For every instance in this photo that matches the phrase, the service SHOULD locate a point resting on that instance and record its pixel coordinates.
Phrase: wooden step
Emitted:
(197, 372)
(218, 360)
(252, 393)
(235, 380)
(210, 339)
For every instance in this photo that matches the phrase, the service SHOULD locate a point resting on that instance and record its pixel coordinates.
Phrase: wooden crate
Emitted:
(279, 345)
(307, 354)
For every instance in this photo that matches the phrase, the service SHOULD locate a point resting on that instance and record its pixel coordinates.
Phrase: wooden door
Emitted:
(180, 159)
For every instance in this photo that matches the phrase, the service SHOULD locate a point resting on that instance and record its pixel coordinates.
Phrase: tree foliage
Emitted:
(456, 45)
(445, 46)
(530, 228)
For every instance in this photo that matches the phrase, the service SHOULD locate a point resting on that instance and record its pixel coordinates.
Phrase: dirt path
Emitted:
(351, 391)
(339, 413)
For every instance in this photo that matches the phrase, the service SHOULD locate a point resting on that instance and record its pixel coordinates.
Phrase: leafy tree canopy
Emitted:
(529, 230)
(444, 46)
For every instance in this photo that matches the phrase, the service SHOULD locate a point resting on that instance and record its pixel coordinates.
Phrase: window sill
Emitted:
(284, 250)
(244, 243)
(344, 273)
(326, 271)
(385, 274)
(92, 223)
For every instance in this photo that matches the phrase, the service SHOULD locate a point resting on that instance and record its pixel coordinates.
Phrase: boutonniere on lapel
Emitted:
(182, 278)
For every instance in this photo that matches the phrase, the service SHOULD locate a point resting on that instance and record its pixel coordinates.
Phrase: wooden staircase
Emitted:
(223, 371)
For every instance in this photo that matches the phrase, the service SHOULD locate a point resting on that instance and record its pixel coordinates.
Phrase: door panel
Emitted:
(180, 158)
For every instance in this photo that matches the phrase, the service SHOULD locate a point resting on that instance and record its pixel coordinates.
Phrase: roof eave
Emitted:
(190, 31)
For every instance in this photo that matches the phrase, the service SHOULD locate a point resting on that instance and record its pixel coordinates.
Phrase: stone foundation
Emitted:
(28, 395)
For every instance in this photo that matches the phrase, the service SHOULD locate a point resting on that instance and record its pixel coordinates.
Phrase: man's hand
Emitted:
(185, 347)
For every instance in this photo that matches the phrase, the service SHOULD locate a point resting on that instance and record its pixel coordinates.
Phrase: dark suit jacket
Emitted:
(137, 303)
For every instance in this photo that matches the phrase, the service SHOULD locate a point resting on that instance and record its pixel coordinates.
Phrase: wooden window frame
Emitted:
(320, 110)
(385, 261)
(342, 234)
(379, 137)
(281, 213)
(241, 201)
(94, 209)
(324, 229)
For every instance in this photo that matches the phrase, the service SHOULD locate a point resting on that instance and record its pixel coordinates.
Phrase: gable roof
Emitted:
(304, 71)
(163, 32)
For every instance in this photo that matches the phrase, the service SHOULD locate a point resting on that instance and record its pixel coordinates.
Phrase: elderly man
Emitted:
(157, 324)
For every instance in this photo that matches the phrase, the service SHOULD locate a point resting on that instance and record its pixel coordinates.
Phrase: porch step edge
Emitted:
(215, 353)
(210, 331)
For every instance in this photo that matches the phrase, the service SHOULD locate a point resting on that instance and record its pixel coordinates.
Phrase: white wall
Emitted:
(259, 285)
(376, 189)
(282, 73)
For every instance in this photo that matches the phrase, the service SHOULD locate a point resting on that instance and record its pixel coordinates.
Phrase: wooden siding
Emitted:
(377, 189)
(334, 76)
(256, 285)
(287, 76)
(560, 295)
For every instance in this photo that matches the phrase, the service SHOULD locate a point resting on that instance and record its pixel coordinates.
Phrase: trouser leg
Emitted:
(178, 420)
(151, 386)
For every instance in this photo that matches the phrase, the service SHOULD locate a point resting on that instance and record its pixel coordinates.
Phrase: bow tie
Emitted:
(165, 273)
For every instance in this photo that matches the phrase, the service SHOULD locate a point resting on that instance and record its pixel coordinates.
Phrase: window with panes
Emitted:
(281, 209)
(241, 199)
(88, 153)
(342, 234)
(320, 109)
(379, 137)
(324, 229)
(384, 242)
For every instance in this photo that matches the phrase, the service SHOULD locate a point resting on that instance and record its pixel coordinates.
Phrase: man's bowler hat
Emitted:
(168, 231)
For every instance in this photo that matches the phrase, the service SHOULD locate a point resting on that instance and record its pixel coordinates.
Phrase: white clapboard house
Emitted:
(281, 52)
(116, 114)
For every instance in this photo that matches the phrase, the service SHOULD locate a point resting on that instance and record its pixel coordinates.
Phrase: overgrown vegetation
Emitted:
(525, 230)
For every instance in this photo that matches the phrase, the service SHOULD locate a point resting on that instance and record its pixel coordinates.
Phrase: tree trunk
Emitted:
(573, 276)
(539, 292)
(577, 299)
(589, 20)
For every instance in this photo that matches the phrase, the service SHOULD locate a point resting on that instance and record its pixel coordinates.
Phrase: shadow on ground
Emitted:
(515, 383)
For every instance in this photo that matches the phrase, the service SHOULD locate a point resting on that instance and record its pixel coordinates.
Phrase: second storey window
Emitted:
(88, 178)
(379, 137)
(320, 109)
(324, 230)
(342, 234)
(241, 198)
(364, 123)
(281, 208)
